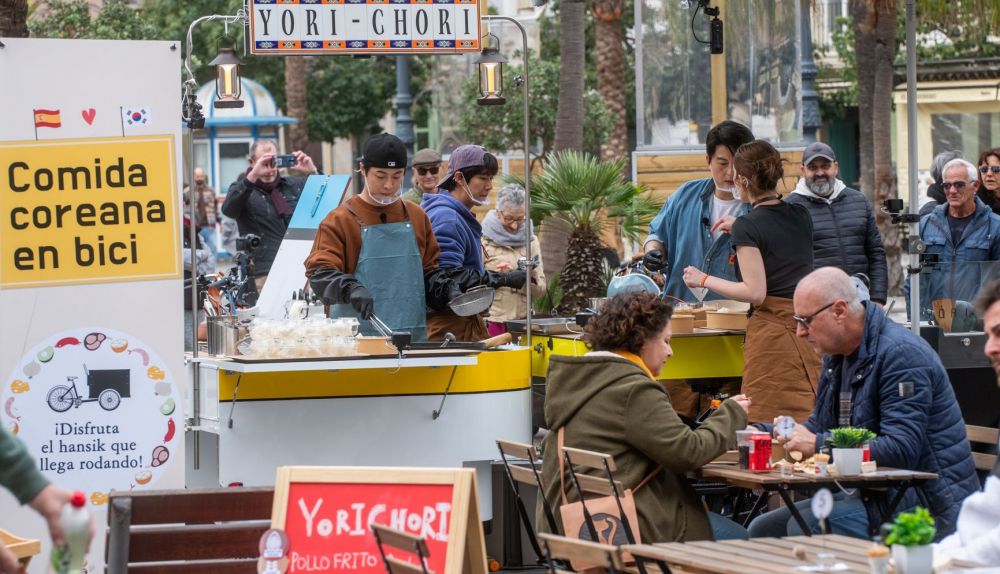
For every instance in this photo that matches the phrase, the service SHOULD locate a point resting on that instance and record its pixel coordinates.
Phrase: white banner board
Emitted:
(303, 27)
(91, 353)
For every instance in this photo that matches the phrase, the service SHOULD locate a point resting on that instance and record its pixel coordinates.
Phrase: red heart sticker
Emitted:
(88, 115)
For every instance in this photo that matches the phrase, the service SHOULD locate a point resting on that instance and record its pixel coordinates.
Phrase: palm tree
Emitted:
(569, 111)
(14, 18)
(296, 75)
(588, 195)
(611, 72)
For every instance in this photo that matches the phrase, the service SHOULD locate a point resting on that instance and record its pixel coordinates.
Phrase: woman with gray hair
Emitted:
(505, 235)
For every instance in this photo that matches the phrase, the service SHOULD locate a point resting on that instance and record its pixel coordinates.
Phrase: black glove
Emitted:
(512, 279)
(654, 260)
(332, 285)
(362, 301)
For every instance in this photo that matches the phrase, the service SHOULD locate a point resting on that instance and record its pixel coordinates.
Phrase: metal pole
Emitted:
(911, 137)
(527, 170)
(190, 87)
(811, 120)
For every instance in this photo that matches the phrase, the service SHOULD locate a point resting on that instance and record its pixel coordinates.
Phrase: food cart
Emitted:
(425, 408)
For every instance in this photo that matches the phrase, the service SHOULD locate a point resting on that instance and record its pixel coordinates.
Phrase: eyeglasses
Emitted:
(984, 169)
(958, 185)
(425, 170)
(804, 321)
(508, 219)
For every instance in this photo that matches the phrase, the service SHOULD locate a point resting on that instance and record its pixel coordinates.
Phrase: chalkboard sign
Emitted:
(325, 512)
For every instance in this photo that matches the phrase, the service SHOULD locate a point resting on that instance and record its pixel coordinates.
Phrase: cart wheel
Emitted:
(60, 398)
(109, 399)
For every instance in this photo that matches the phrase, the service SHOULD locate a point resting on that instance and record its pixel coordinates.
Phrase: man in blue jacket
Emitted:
(965, 235)
(468, 184)
(692, 227)
(879, 376)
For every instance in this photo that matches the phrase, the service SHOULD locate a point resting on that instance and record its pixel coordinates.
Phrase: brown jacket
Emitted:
(510, 303)
(609, 404)
(338, 239)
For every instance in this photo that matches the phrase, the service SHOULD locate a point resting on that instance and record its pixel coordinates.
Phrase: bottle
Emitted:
(712, 407)
(75, 521)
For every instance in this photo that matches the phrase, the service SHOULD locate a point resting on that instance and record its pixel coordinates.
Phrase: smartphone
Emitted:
(284, 160)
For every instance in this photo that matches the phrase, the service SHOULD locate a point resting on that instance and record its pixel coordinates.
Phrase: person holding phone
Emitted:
(262, 200)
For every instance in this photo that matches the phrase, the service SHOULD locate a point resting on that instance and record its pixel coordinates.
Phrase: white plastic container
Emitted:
(75, 521)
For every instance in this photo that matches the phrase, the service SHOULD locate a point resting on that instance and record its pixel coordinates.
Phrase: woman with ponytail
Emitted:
(773, 245)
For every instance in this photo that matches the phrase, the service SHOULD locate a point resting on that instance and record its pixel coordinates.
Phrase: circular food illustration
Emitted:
(96, 408)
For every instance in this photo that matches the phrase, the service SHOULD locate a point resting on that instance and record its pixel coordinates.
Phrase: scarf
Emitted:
(278, 200)
(802, 189)
(494, 230)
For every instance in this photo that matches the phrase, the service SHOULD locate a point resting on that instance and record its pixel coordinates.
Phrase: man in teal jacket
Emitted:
(692, 227)
(19, 474)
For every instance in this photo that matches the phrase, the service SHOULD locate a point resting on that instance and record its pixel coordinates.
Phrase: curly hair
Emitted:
(627, 321)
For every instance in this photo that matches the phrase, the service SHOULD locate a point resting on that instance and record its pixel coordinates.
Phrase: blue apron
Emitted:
(391, 268)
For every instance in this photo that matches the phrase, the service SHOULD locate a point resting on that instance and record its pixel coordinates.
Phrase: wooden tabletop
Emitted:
(734, 476)
(765, 555)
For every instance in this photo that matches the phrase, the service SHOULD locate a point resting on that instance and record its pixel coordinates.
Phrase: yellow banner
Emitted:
(88, 211)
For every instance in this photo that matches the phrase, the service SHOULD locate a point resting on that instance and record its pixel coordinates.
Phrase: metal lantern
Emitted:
(491, 74)
(228, 88)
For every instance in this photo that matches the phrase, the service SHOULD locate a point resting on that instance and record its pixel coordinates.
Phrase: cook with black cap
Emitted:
(376, 253)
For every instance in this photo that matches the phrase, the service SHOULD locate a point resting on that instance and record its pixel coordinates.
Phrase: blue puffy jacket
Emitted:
(954, 277)
(457, 230)
(923, 431)
(683, 227)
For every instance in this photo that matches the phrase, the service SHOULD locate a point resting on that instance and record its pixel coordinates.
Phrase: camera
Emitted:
(284, 160)
(248, 242)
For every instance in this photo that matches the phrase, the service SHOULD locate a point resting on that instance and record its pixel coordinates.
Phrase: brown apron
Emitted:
(464, 328)
(780, 370)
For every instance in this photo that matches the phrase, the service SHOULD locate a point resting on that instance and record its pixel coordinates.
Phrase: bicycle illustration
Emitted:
(107, 387)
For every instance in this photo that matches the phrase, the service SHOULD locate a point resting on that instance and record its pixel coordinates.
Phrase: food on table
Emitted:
(796, 455)
(155, 373)
(143, 477)
(160, 456)
(67, 341)
(93, 341)
(19, 386)
(168, 406)
(119, 345)
(46, 354)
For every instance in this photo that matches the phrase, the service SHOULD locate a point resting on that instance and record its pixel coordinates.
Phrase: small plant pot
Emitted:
(848, 460)
(913, 559)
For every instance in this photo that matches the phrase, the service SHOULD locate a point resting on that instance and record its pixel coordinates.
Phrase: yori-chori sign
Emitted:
(364, 26)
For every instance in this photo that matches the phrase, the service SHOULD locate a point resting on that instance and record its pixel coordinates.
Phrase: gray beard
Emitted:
(822, 188)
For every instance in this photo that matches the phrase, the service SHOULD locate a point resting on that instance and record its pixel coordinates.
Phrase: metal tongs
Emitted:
(399, 339)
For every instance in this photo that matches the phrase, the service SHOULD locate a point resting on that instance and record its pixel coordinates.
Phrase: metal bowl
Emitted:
(596, 303)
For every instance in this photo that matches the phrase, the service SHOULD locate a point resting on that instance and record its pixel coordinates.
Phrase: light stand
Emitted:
(195, 120)
(529, 264)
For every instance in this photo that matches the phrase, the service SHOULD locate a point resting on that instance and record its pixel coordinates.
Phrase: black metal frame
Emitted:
(521, 510)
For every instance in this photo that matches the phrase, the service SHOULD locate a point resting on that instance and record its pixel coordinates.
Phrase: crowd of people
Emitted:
(819, 346)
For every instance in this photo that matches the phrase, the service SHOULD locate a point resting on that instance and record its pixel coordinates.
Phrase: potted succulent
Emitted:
(848, 448)
(910, 537)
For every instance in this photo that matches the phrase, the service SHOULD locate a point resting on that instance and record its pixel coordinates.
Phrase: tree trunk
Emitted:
(864, 55)
(569, 113)
(611, 73)
(296, 72)
(14, 18)
(581, 276)
(884, 173)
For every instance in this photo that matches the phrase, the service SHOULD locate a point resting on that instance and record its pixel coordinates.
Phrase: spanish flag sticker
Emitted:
(48, 119)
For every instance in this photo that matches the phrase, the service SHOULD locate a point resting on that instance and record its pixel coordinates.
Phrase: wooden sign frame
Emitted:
(466, 544)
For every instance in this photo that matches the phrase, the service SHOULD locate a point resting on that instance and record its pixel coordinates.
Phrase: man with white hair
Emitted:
(880, 376)
(962, 232)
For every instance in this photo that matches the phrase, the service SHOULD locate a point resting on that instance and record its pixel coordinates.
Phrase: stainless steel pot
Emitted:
(224, 333)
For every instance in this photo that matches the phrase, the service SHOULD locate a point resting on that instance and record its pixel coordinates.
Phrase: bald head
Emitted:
(829, 284)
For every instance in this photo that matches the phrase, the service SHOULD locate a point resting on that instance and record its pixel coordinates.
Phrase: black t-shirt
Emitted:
(783, 233)
(958, 225)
